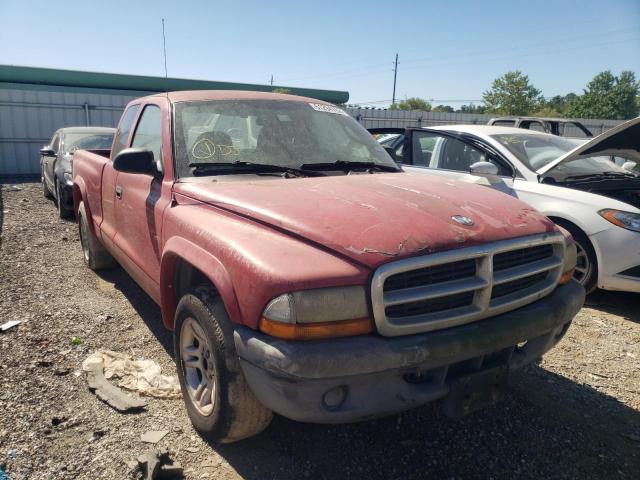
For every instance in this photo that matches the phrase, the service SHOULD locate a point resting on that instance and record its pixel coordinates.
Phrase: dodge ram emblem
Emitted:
(462, 220)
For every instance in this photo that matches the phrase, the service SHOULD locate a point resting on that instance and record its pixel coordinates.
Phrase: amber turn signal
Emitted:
(316, 331)
(566, 276)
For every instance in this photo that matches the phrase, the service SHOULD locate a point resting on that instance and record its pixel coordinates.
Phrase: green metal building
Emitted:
(35, 102)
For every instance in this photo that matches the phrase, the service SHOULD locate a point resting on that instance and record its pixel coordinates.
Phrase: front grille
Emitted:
(431, 275)
(452, 288)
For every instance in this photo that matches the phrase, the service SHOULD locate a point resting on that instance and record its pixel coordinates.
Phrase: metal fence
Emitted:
(29, 114)
(371, 118)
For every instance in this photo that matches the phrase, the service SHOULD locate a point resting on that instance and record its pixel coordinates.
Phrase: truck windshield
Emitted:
(228, 133)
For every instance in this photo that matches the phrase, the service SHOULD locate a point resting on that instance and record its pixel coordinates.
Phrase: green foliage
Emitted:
(443, 108)
(471, 108)
(413, 103)
(282, 90)
(512, 94)
(608, 97)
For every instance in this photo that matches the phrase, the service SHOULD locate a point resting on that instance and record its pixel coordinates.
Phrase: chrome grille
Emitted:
(452, 288)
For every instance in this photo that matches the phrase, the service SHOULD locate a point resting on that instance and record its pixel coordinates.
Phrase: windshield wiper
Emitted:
(350, 165)
(201, 168)
(598, 176)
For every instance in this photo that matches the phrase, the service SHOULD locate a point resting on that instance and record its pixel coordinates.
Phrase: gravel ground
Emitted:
(576, 415)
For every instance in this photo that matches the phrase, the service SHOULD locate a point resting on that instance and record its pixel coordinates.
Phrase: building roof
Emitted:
(139, 83)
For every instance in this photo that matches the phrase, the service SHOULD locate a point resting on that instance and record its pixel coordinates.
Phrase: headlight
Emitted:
(630, 221)
(570, 256)
(317, 314)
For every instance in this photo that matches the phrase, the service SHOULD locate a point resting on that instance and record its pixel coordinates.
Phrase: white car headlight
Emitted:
(319, 313)
(628, 220)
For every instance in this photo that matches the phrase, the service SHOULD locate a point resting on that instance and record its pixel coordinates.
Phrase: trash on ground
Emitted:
(153, 436)
(10, 324)
(143, 376)
(3, 475)
(108, 393)
(15, 188)
(158, 464)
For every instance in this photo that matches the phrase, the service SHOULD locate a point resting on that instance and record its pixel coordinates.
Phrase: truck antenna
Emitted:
(164, 50)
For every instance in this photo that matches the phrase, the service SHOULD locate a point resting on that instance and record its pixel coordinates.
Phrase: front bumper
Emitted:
(356, 378)
(618, 250)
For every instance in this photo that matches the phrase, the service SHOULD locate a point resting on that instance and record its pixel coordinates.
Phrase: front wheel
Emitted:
(218, 399)
(586, 263)
(45, 189)
(63, 210)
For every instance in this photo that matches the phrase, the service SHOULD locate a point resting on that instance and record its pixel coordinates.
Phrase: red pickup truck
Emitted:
(304, 273)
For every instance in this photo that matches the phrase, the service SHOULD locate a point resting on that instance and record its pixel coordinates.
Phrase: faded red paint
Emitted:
(258, 238)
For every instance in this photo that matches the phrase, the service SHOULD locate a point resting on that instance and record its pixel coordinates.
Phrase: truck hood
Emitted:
(622, 140)
(373, 219)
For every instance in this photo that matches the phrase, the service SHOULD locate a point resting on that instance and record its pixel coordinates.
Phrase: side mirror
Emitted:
(47, 152)
(629, 165)
(484, 169)
(135, 160)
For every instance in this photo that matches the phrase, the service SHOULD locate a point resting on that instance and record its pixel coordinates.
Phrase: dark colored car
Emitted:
(55, 161)
(563, 127)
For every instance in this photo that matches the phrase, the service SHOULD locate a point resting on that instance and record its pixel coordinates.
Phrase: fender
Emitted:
(177, 248)
(80, 195)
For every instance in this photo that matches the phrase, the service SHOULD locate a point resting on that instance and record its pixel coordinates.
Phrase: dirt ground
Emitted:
(576, 415)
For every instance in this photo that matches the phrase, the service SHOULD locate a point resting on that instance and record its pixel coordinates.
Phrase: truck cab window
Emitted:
(148, 134)
(122, 135)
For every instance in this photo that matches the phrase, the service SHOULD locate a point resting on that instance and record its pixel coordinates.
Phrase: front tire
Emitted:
(45, 189)
(63, 211)
(95, 255)
(586, 272)
(218, 399)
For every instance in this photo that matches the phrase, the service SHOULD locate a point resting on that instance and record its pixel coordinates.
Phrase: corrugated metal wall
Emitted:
(29, 114)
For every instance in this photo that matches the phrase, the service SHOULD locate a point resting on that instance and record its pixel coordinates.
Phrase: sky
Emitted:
(449, 52)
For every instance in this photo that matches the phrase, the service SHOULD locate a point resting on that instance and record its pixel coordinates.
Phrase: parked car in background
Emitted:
(55, 161)
(571, 181)
(304, 273)
(563, 127)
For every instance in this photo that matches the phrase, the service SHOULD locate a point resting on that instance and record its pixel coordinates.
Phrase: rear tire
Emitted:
(218, 399)
(587, 265)
(95, 255)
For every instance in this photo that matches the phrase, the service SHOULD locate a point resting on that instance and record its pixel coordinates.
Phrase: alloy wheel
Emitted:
(198, 366)
(584, 267)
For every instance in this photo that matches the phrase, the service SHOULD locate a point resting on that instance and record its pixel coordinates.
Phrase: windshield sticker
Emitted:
(327, 109)
(205, 148)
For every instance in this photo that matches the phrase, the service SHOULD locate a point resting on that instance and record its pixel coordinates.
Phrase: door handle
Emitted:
(118, 192)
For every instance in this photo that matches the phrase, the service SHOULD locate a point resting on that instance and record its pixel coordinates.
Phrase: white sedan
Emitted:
(573, 182)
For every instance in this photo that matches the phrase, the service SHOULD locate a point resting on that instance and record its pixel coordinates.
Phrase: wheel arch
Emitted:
(186, 265)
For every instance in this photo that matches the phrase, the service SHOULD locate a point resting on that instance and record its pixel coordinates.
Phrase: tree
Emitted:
(512, 94)
(282, 90)
(609, 97)
(443, 108)
(413, 103)
(471, 108)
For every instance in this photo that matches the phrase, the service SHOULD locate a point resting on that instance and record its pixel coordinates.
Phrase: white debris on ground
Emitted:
(143, 376)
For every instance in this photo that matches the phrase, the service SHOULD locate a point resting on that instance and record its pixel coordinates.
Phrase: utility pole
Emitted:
(395, 75)
(271, 81)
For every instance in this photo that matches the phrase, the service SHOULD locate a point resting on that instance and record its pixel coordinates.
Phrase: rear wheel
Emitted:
(95, 255)
(218, 399)
(587, 263)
